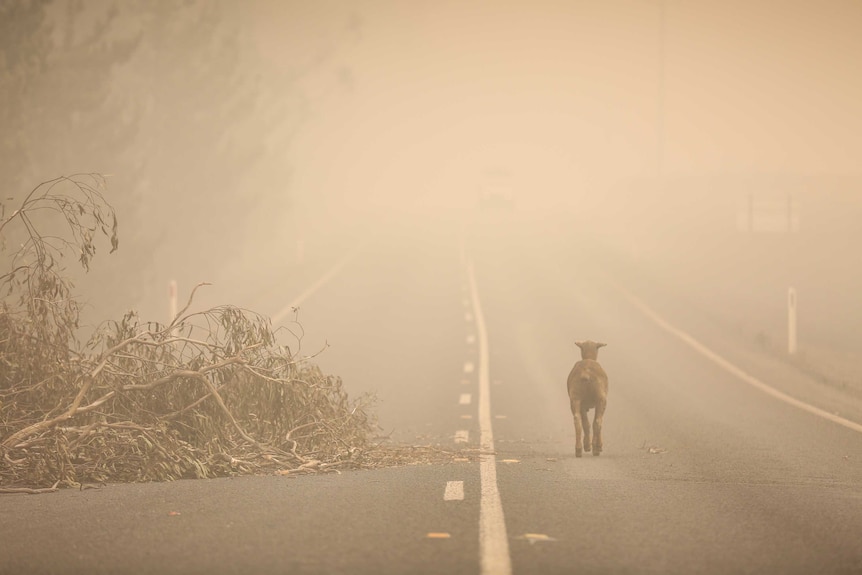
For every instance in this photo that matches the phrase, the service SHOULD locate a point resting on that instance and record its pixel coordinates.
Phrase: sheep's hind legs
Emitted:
(598, 419)
(585, 422)
(579, 430)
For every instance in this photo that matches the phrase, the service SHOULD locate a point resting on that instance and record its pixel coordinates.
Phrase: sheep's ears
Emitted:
(580, 344)
(598, 345)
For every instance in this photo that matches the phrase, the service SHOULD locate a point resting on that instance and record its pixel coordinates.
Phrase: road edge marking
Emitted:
(323, 280)
(494, 558)
(727, 365)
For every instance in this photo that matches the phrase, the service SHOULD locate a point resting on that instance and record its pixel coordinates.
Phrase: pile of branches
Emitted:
(213, 393)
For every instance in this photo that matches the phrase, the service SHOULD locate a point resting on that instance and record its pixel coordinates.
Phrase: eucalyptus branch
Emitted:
(188, 304)
(213, 392)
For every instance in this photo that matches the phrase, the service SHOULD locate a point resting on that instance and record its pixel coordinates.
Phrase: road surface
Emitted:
(703, 471)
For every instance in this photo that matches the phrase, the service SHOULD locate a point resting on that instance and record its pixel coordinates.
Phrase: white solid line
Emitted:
(465, 399)
(289, 308)
(462, 436)
(727, 366)
(494, 556)
(454, 491)
(469, 367)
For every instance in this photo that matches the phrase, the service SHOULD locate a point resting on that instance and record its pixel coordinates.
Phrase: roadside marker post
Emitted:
(172, 301)
(791, 321)
(729, 367)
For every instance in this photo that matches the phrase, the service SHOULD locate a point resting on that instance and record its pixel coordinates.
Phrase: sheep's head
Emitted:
(589, 349)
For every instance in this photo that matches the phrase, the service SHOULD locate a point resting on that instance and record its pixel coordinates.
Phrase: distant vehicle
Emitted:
(496, 191)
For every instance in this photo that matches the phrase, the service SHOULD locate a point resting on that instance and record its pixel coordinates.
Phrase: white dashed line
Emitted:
(454, 491)
(462, 436)
(468, 316)
(469, 367)
(471, 339)
(465, 399)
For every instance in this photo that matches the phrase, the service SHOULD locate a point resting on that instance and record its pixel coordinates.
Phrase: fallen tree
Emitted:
(212, 393)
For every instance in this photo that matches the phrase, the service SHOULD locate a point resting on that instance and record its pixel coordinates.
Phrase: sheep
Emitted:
(588, 389)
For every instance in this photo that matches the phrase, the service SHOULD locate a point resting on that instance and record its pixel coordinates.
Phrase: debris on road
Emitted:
(653, 449)
(535, 537)
(219, 392)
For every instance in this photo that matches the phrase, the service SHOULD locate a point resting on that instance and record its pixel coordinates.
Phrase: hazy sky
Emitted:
(570, 91)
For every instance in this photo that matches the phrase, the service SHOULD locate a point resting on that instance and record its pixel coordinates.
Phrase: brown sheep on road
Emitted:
(588, 389)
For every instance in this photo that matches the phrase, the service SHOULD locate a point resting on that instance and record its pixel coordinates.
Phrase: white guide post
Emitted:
(172, 301)
(791, 321)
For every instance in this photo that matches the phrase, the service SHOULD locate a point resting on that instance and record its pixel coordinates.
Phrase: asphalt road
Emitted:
(702, 471)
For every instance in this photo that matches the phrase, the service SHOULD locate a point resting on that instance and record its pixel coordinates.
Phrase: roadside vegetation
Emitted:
(213, 393)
